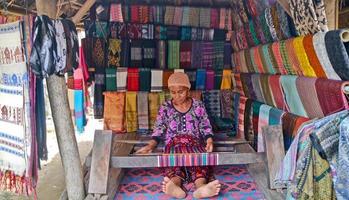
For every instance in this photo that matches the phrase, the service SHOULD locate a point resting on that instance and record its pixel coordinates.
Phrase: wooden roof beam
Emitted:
(83, 10)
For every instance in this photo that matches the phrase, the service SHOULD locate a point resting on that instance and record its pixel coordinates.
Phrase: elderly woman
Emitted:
(185, 126)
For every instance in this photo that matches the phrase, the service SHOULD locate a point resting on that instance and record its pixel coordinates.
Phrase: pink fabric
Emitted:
(116, 13)
(276, 90)
(209, 79)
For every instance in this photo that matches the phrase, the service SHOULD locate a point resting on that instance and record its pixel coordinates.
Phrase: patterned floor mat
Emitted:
(143, 184)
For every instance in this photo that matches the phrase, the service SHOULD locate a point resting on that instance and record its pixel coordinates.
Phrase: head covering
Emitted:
(179, 79)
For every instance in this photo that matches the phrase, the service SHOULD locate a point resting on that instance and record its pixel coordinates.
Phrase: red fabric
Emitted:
(330, 95)
(82, 64)
(185, 54)
(135, 13)
(132, 79)
(238, 83)
(214, 18)
(276, 89)
(209, 79)
(134, 31)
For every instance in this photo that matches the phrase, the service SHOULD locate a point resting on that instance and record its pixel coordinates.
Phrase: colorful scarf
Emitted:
(207, 55)
(185, 54)
(302, 57)
(110, 79)
(205, 17)
(178, 14)
(210, 79)
(159, 12)
(276, 91)
(266, 89)
(114, 115)
(285, 59)
(278, 58)
(79, 112)
(156, 80)
(132, 79)
(161, 54)
(200, 79)
(143, 13)
(247, 85)
(114, 53)
(116, 13)
(131, 112)
(313, 59)
(122, 30)
(173, 54)
(149, 53)
(136, 53)
(154, 105)
(134, 13)
(196, 57)
(98, 56)
(241, 113)
(121, 79)
(218, 75)
(257, 88)
(292, 57)
(172, 33)
(185, 16)
(145, 76)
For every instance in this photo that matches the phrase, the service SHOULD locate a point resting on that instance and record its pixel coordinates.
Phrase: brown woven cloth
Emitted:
(114, 111)
(154, 105)
(166, 74)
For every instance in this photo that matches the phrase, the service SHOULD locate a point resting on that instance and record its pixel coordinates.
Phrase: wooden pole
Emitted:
(61, 115)
(331, 7)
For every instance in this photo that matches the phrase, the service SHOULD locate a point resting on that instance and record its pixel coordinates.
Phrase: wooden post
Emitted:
(331, 7)
(61, 115)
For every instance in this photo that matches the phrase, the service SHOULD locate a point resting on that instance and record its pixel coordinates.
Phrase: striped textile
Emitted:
(131, 112)
(136, 53)
(173, 54)
(185, 54)
(154, 105)
(210, 79)
(125, 53)
(185, 16)
(257, 88)
(169, 15)
(205, 17)
(218, 79)
(114, 114)
(161, 54)
(142, 111)
(207, 55)
(156, 80)
(188, 159)
(194, 17)
(238, 87)
(196, 57)
(116, 13)
(240, 128)
(218, 55)
(133, 79)
(178, 14)
(276, 90)
(121, 79)
(110, 79)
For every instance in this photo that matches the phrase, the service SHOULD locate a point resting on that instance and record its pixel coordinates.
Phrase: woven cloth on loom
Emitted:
(321, 52)
(110, 79)
(131, 112)
(307, 88)
(142, 111)
(133, 79)
(207, 55)
(136, 53)
(185, 54)
(292, 96)
(226, 79)
(212, 103)
(149, 53)
(156, 80)
(116, 13)
(145, 76)
(338, 51)
(209, 79)
(276, 90)
(114, 53)
(98, 93)
(121, 78)
(196, 57)
(302, 57)
(187, 159)
(331, 96)
(161, 54)
(114, 115)
(154, 105)
(200, 79)
(166, 75)
(173, 54)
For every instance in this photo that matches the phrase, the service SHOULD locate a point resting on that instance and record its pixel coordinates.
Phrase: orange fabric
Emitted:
(278, 57)
(114, 111)
(313, 59)
(165, 76)
(258, 60)
(293, 57)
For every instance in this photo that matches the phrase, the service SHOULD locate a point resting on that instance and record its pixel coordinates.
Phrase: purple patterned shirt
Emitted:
(170, 122)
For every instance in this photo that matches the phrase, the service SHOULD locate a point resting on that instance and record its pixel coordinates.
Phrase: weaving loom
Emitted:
(106, 172)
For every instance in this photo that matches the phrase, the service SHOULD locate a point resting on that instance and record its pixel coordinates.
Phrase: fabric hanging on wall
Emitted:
(134, 31)
(142, 111)
(218, 75)
(194, 17)
(227, 55)
(263, 120)
(145, 77)
(148, 53)
(102, 29)
(98, 93)
(266, 89)
(156, 80)
(196, 94)
(200, 79)
(212, 102)
(172, 32)
(116, 13)
(143, 13)
(196, 57)
(292, 56)
(207, 55)
(214, 18)
(307, 89)
(302, 57)
(285, 59)
(205, 17)
(114, 115)
(313, 59)
(122, 30)
(61, 46)
(227, 104)
(113, 30)
(114, 53)
(218, 55)
(276, 90)
(337, 50)
(147, 31)
(288, 128)
(126, 12)
(79, 105)
(185, 16)
(255, 119)
(331, 96)
(278, 58)
(209, 79)
(226, 79)
(169, 15)
(86, 45)
(166, 75)
(178, 14)
(241, 113)
(110, 79)
(133, 79)
(154, 105)
(192, 78)
(131, 112)
(161, 54)
(134, 13)
(173, 54)
(125, 53)
(136, 53)
(159, 13)
(185, 54)
(248, 122)
(186, 33)
(121, 79)
(247, 85)
(257, 88)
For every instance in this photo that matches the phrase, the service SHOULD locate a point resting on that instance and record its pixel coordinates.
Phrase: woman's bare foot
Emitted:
(170, 188)
(209, 190)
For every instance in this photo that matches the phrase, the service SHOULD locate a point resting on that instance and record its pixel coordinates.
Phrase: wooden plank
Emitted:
(100, 162)
(331, 7)
(275, 152)
(83, 10)
(257, 171)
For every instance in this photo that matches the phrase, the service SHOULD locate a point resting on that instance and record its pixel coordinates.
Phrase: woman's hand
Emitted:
(209, 145)
(147, 149)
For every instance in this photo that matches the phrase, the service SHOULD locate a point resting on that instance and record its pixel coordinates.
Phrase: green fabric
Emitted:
(218, 79)
(110, 79)
(218, 56)
(173, 54)
(145, 77)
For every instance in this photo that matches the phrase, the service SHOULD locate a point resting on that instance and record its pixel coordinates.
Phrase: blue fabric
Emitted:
(200, 79)
(79, 110)
(40, 120)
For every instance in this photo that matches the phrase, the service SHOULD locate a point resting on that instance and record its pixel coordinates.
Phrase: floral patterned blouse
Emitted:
(171, 123)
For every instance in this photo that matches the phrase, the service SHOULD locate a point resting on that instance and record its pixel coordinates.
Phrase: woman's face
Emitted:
(179, 94)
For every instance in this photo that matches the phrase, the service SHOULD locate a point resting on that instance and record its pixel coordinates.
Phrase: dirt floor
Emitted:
(51, 176)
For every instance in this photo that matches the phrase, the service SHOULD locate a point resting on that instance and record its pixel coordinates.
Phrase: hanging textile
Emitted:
(276, 90)
(131, 112)
(149, 53)
(313, 59)
(218, 55)
(172, 32)
(79, 105)
(227, 55)
(116, 13)
(143, 12)
(136, 53)
(209, 79)
(227, 103)
(166, 75)
(121, 79)
(132, 79)
(204, 20)
(114, 53)
(218, 79)
(161, 54)
(101, 29)
(207, 55)
(110, 79)
(263, 120)
(302, 57)
(240, 121)
(125, 53)
(266, 91)
(178, 13)
(186, 33)
(145, 77)
(159, 13)
(169, 15)
(192, 77)
(122, 30)
(98, 55)
(194, 17)
(98, 93)
(185, 16)
(212, 102)
(156, 80)
(173, 54)
(114, 115)
(200, 79)
(226, 79)
(143, 112)
(247, 85)
(147, 31)
(196, 57)
(185, 54)
(61, 46)
(154, 105)
(113, 30)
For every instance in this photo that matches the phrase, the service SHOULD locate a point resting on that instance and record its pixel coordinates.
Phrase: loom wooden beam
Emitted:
(68, 148)
(215, 142)
(82, 11)
(332, 9)
(284, 4)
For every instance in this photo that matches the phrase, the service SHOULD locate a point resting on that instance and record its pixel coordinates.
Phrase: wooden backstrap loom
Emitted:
(112, 153)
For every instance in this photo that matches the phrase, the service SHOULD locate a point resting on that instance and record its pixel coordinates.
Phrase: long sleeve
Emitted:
(205, 127)
(160, 125)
